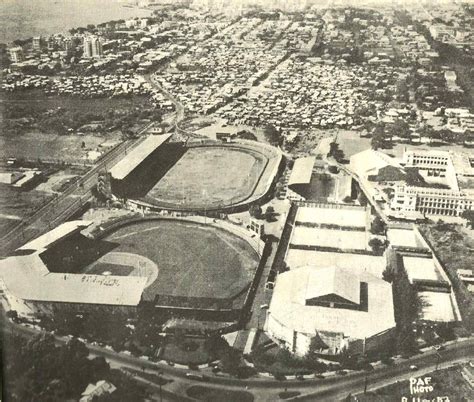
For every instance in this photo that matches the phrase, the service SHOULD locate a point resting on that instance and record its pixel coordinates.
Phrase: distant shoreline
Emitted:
(19, 20)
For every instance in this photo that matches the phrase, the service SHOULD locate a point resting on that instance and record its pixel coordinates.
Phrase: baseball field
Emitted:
(191, 260)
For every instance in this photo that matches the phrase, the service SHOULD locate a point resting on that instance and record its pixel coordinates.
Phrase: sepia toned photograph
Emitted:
(237, 200)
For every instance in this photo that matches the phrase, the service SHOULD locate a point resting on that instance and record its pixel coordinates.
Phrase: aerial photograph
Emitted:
(236, 200)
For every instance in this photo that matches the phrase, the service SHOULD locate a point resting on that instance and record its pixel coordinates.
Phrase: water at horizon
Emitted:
(21, 19)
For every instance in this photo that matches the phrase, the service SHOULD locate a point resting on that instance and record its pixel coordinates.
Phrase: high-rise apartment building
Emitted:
(16, 54)
(92, 47)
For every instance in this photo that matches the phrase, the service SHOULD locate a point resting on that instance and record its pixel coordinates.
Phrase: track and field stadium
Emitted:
(195, 177)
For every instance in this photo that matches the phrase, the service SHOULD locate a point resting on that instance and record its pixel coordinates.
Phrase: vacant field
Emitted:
(209, 177)
(16, 205)
(36, 145)
(36, 101)
(216, 264)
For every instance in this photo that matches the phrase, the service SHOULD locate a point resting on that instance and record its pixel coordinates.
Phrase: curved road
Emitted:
(266, 389)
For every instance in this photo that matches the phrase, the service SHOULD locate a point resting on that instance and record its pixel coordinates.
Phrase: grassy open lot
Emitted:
(209, 394)
(191, 351)
(38, 101)
(215, 264)
(16, 204)
(209, 177)
(37, 145)
(33, 111)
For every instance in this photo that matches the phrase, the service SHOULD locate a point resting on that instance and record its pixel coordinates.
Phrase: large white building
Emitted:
(452, 178)
(448, 177)
(330, 309)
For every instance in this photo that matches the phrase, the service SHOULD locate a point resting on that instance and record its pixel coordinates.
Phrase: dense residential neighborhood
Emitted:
(237, 200)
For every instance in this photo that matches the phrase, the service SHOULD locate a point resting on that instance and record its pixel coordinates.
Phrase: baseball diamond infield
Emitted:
(185, 262)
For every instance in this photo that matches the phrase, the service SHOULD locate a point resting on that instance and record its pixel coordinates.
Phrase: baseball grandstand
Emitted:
(134, 261)
(195, 176)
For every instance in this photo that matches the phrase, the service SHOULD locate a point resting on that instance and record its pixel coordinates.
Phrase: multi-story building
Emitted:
(37, 42)
(92, 47)
(16, 54)
(451, 176)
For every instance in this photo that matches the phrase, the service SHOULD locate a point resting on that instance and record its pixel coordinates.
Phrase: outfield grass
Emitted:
(193, 260)
(210, 177)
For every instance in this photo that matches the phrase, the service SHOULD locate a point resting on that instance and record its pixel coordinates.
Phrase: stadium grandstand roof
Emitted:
(55, 235)
(302, 171)
(123, 168)
(27, 278)
(291, 288)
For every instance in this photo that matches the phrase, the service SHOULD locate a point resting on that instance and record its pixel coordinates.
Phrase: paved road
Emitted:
(265, 389)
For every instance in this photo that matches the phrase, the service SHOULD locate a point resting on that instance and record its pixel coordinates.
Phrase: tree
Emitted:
(377, 141)
(269, 213)
(468, 214)
(230, 360)
(335, 152)
(255, 211)
(376, 245)
(401, 129)
(271, 135)
(12, 314)
(377, 226)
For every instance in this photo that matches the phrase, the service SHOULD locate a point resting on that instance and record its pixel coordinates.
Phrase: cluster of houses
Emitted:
(414, 45)
(95, 86)
(223, 67)
(313, 93)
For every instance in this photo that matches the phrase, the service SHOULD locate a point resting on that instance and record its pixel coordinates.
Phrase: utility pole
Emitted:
(160, 374)
(438, 358)
(365, 383)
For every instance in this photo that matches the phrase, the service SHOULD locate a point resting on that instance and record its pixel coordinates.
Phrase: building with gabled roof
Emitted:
(344, 309)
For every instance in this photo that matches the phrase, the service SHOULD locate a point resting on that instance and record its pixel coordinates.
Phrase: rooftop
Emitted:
(137, 155)
(403, 238)
(419, 268)
(26, 277)
(55, 235)
(331, 215)
(302, 171)
(437, 306)
(343, 239)
(294, 286)
(371, 264)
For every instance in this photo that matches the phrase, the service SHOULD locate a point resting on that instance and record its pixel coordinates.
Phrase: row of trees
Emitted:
(38, 370)
(61, 121)
(383, 134)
